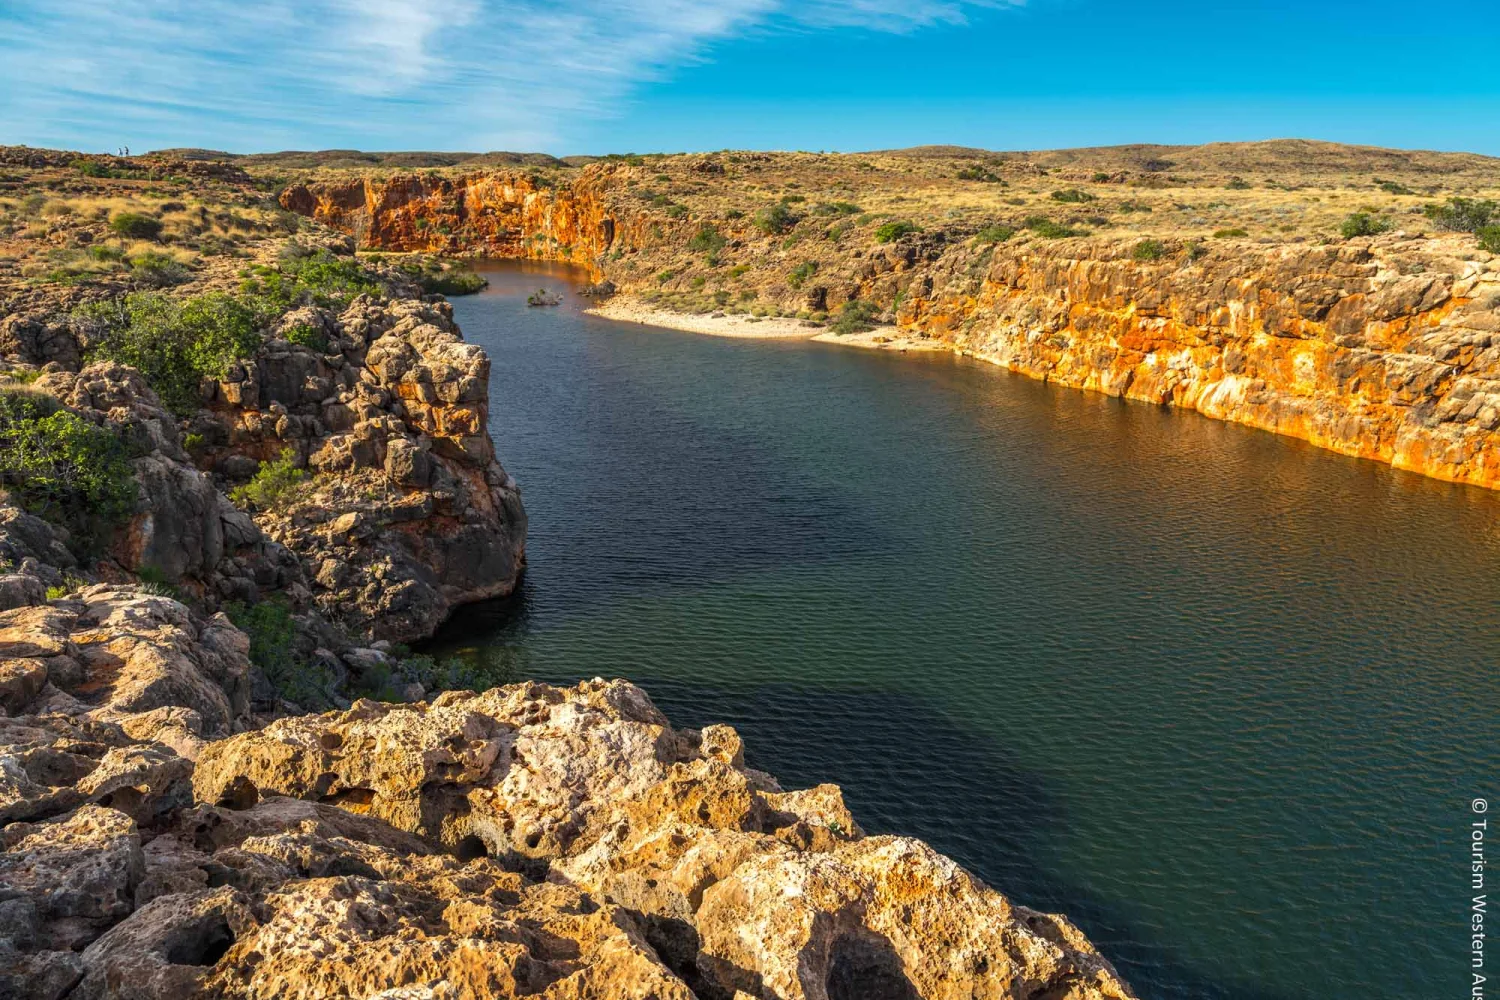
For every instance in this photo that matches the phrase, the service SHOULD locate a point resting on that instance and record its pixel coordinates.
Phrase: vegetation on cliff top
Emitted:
(175, 343)
(62, 468)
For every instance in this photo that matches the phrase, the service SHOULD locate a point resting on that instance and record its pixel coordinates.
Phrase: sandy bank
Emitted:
(882, 338)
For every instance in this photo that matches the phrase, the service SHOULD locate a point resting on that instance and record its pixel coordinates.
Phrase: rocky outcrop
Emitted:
(531, 840)
(184, 530)
(407, 514)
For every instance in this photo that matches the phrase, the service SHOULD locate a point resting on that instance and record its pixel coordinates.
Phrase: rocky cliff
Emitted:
(1382, 347)
(160, 841)
(1385, 348)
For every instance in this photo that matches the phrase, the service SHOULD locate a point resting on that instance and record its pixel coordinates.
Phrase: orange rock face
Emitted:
(491, 214)
(1385, 350)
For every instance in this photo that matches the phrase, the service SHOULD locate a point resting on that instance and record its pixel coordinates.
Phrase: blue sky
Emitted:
(595, 76)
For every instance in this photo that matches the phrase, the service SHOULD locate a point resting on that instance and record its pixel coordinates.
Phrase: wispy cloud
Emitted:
(485, 74)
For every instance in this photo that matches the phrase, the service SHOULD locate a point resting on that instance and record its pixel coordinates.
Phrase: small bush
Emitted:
(1238, 184)
(1364, 224)
(1049, 230)
(676, 211)
(273, 636)
(1147, 250)
(158, 270)
(774, 220)
(1072, 196)
(995, 233)
(1489, 238)
(1463, 215)
(304, 275)
(857, 316)
(837, 208)
(802, 272)
(63, 469)
(1391, 187)
(135, 226)
(274, 486)
(708, 240)
(894, 230)
(1225, 234)
(979, 173)
(489, 667)
(176, 344)
(436, 277)
(309, 336)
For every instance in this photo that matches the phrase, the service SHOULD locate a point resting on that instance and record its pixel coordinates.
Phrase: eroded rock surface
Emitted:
(160, 842)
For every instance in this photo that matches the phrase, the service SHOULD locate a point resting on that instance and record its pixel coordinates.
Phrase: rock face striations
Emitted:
(159, 842)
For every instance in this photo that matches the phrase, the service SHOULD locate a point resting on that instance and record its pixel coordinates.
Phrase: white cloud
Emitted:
(391, 73)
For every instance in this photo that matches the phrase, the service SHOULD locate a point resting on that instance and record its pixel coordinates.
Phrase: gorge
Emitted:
(1120, 661)
(1380, 347)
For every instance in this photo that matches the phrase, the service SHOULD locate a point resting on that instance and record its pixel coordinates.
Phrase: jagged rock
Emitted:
(735, 884)
(79, 872)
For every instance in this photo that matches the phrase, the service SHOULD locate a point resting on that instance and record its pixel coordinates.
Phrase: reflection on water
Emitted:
(1219, 696)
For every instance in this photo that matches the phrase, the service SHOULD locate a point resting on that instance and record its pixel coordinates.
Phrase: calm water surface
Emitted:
(1222, 698)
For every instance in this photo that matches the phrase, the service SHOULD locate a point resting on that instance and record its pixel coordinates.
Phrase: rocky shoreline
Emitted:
(162, 840)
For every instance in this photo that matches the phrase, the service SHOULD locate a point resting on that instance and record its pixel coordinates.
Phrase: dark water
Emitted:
(1219, 696)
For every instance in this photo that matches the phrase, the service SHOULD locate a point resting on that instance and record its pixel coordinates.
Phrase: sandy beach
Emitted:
(882, 338)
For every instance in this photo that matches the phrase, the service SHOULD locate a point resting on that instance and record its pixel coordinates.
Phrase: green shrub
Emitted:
(774, 220)
(437, 277)
(1100, 177)
(309, 336)
(305, 275)
(274, 486)
(1049, 230)
(135, 226)
(708, 240)
(1225, 234)
(977, 172)
(481, 670)
(836, 208)
(1463, 215)
(158, 270)
(1489, 238)
(176, 344)
(994, 233)
(894, 230)
(154, 581)
(1072, 196)
(63, 469)
(1391, 187)
(676, 211)
(1238, 184)
(802, 272)
(1364, 224)
(857, 316)
(1147, 250)
(273, 636)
